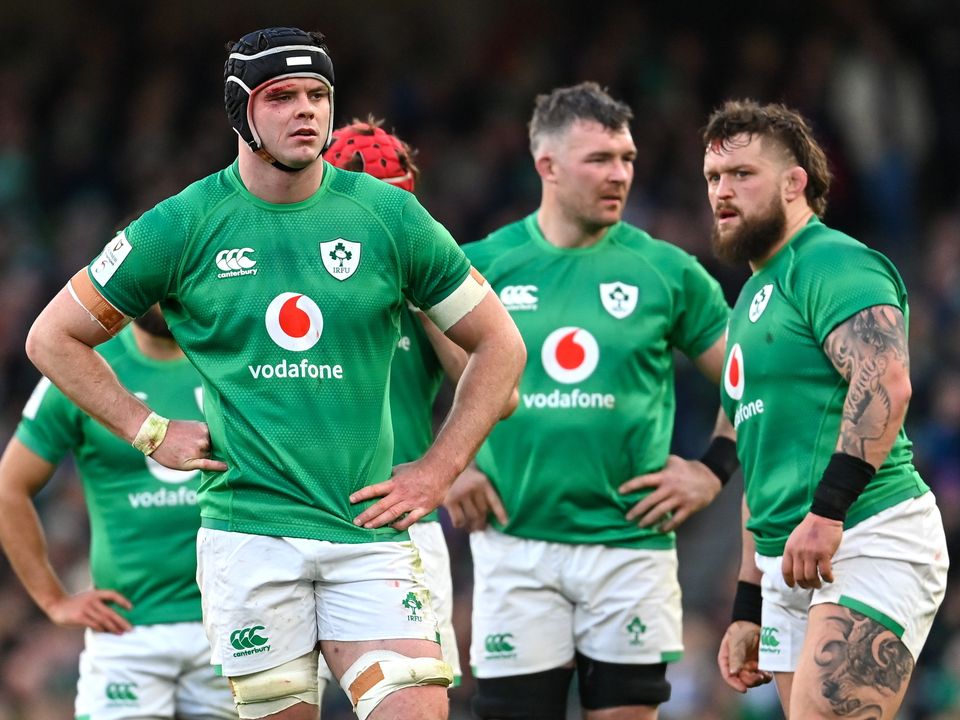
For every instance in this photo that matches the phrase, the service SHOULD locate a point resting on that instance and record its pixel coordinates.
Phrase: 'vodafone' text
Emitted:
(573, 399)
(302, 369)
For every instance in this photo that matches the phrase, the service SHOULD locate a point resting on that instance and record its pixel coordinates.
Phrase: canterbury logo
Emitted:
(499, 643)
(121, 691)
(246, 638)
(519, 297)
(235, 259)
(768, 637)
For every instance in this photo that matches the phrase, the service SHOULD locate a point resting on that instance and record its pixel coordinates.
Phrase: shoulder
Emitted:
(367, 192)
(822, 252)
(672, 264)
(654, 250)
(187, 208)
(498, 244)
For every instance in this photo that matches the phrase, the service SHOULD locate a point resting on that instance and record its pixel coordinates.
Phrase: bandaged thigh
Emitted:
(269, 691)
(379, 673)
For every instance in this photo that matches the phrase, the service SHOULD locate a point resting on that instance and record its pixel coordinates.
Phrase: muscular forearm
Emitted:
(25, 545)
(22, 474)
(489, 378)
(60, 344)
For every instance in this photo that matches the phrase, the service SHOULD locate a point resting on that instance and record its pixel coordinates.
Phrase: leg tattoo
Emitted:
(869, 661)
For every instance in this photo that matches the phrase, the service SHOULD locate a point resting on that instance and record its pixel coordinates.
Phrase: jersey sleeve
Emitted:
(833, 282)
(50, 425)
(702, 311)
(138, 267)
(438, 274)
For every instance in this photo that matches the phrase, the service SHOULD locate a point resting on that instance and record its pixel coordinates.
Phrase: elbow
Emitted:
(900, 391)
(520, 351)
(513, 402)
(37, 344)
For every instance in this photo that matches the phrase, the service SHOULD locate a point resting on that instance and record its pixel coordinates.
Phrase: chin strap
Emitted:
(268, 158)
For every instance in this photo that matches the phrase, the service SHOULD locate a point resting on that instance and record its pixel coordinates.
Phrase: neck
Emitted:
(796, 218)
(277, 186)
(156, 348)
(562, 231)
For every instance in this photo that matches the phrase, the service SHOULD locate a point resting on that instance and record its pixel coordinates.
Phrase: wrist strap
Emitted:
(151, 433)
(721, 458)
(843, 480)
(747, 603)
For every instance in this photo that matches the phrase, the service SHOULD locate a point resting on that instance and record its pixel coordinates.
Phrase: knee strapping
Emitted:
(269, 691)
(376, 674)
(606, 685)
(535, 696)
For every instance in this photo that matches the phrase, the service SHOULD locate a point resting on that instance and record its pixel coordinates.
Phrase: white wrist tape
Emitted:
(151, 433)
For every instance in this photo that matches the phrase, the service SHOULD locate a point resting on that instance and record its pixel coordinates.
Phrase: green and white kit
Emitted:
(892, 567)
(597, 404)
(597, 396)
(143, 516)
(785, 399)
(783, 394)
(143, 525)
(291, 314)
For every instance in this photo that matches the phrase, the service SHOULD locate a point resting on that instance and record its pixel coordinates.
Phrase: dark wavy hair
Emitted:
(784, 126)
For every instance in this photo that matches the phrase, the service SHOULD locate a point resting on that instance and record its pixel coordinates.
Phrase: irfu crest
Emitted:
(618, 298)
(340, 257)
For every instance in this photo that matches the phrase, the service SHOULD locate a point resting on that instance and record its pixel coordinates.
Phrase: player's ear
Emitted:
(795, 183)
(544, 163)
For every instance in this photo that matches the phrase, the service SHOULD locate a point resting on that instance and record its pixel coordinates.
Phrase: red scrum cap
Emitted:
(364, 146)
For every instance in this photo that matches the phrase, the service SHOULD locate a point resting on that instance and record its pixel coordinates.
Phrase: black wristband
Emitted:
(721, 458)
(843, 480)
(747, 603)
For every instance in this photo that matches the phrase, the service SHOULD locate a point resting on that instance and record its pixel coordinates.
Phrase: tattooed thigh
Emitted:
(852, 666)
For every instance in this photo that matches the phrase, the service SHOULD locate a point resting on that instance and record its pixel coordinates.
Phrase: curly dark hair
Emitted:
(556, 111)
(784, 126)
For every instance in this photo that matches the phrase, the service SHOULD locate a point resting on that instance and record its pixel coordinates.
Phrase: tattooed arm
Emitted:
(870, 351)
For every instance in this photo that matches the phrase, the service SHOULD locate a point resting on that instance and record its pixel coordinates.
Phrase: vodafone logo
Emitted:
(294, 321)
(733, 373)
(570, 354)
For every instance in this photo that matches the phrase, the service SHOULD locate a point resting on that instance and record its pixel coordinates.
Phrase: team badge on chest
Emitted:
(340, 257)
(759, 302)
(619, 299)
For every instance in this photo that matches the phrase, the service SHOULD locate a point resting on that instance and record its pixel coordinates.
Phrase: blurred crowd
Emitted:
(106, 110)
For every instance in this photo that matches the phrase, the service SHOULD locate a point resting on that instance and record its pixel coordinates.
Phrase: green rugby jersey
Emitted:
(143, 516)
(291, 314)
(597, 395)
(415, 378)
(783, 394)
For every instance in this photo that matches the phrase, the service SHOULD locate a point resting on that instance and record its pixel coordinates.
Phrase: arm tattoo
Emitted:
(867, 664)
(862, 349)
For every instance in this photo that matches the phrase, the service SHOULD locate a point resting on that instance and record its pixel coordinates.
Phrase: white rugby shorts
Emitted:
(892, 567)
(535, 603)
(268, 600)
(151, 671)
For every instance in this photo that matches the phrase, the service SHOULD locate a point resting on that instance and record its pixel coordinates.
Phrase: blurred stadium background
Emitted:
(108, 107)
